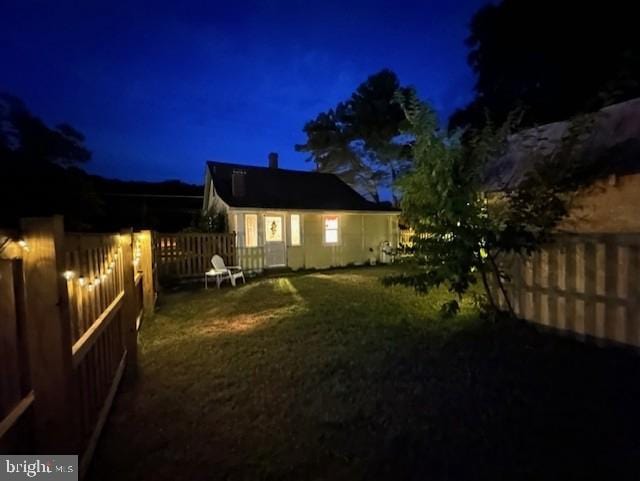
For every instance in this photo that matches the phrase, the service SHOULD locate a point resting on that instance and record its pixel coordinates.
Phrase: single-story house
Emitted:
(610, 204)
(296, 219)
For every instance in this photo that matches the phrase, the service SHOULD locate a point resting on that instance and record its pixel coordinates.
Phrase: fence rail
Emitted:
(586, 284)
(188, 255)
(64, 352)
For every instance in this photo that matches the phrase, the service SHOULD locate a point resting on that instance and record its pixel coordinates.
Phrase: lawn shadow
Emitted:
(332, 376)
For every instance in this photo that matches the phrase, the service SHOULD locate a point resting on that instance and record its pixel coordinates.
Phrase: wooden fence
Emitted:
(586, 284)
(69, 306)
(188, 255)
(251, 259)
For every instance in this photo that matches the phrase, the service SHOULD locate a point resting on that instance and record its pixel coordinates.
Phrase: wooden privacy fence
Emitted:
(70, 305)
(586, 284)
(188, 255)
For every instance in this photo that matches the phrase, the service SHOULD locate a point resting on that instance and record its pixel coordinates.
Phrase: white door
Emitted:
(274, 246)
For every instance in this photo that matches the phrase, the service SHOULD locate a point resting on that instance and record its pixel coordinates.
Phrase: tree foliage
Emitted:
(39, 168)
(552, 59)
(25, 137)
(460, 232)
(359, 139)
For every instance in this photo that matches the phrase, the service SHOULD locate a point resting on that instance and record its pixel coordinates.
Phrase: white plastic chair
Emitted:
(221, 272)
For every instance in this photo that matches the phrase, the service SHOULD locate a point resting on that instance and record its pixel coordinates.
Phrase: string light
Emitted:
(110, 267)
(23, 243)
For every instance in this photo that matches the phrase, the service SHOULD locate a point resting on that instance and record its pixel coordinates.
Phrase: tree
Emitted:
(460, 234)
(553, 59)
(26, 137)
(39, 168)
(360, 140)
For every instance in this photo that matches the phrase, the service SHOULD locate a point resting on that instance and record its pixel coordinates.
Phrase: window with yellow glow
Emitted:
(331, 230)
(250, 230)
(272, 228)
(295, 229)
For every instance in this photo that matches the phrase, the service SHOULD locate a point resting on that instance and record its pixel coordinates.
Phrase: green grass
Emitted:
(332, 376)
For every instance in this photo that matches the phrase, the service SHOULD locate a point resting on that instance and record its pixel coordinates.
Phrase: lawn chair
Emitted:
(221, 272)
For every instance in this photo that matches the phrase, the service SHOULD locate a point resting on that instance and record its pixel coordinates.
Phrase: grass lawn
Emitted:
(331, 376)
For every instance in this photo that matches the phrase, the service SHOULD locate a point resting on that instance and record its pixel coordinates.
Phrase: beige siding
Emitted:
(610, 205)
(357, 233)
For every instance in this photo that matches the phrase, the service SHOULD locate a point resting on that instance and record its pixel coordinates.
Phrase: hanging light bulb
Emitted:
(68, 275)
(81, 281)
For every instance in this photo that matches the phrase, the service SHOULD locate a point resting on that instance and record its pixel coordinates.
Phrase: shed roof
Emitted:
(613, 142)
(275, 188)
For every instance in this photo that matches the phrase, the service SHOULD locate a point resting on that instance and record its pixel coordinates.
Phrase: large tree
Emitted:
(360, 139)
(551, 59)
(40, 174)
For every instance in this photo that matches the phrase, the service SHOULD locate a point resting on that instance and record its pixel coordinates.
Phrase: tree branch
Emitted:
(496, 273)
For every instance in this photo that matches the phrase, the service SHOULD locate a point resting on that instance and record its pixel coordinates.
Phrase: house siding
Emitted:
(608, 206)
(357, 233)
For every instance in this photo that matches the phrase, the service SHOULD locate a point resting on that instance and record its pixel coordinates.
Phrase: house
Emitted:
(296, 219)
(608, 205)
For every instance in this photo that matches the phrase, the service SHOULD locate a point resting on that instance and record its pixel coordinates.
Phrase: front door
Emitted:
(274, 246)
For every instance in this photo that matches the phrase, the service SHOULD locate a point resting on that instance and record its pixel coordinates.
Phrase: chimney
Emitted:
(273, 160)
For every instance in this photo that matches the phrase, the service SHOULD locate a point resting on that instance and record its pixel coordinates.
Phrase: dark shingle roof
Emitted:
(268, 188)
(614, 143)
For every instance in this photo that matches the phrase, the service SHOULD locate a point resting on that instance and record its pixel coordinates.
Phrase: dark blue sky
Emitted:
(160, 87)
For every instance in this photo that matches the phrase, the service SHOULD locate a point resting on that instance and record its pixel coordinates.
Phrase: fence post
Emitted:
(129, 306)
(146, 266)
(48, 330)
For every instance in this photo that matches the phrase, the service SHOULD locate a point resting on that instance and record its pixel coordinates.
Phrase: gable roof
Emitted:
(613, 142)
(275, 188)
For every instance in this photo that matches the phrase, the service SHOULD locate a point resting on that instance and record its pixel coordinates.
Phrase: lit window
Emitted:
(295, 229)
(272, 228)
(331, 230)
(250, 230)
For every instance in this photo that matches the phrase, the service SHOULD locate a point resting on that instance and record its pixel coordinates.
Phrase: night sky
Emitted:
(160, 87)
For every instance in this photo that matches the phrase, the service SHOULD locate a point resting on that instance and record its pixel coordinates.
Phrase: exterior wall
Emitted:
(357, 233)
(608, 206)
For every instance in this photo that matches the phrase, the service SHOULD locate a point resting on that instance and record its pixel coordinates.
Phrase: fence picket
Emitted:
(188, 255)
(77, 336)
(586, 284)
